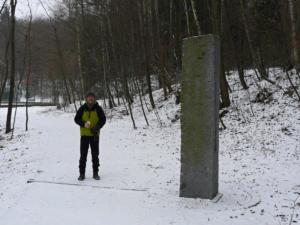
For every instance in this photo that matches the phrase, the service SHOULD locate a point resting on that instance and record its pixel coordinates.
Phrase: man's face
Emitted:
(90, 100)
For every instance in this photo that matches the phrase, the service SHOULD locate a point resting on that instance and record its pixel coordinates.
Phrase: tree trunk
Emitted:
(144, 32)
(171, 18)
(6, 72)
(187, 17)
(78, 45)
(28, 73)
(237, 57)
(254, 56)
(178, 34)
(217, 29)
(196, 16)
(295, 43)
(62, 67)
(141, 101)
(3, 6)
(13, 4)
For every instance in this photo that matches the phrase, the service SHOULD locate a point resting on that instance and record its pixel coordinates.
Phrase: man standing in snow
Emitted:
(91, 118)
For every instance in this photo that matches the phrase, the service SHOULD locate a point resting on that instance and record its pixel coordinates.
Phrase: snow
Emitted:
(259, 167)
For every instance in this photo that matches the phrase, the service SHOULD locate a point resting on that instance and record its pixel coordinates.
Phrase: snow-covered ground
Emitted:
(259, 167)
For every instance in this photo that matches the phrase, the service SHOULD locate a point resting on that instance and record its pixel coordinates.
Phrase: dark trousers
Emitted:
(85, 142)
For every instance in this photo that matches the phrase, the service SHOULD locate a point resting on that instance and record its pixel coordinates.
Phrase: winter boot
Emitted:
(81, 177)
(96, 176)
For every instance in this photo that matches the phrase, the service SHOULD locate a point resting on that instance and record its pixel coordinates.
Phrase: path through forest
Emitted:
(139, 175)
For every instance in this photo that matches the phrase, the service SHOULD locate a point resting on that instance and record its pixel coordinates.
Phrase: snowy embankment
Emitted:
(259, 166)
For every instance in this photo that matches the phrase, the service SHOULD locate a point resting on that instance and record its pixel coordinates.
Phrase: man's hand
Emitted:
(87, 124)
(95, 131)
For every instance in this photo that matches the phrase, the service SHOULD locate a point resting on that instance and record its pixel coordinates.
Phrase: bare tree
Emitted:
(187, 17)
(6, 68)
(3, 6)
(29, 67)
(255, 55)
(78, 42)
(295, 47)
(217, 8)
(193, 3)
(13, 4)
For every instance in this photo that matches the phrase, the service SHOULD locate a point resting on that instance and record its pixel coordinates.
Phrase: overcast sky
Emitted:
(22, 10)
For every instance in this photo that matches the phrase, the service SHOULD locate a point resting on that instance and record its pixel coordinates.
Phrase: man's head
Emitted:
(90, 99)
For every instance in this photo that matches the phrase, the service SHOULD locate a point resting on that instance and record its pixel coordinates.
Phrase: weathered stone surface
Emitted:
(200, 117)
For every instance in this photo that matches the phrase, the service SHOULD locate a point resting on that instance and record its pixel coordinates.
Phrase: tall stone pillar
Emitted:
(200, 117)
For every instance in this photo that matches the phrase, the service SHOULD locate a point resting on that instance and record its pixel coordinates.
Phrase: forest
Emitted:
(179, 112)
(121, 48)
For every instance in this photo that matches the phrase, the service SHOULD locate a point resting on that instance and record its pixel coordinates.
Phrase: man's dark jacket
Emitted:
(94, 114)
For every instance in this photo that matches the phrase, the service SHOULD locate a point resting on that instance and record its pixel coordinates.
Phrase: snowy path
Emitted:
(130, 159)
(122, 166)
